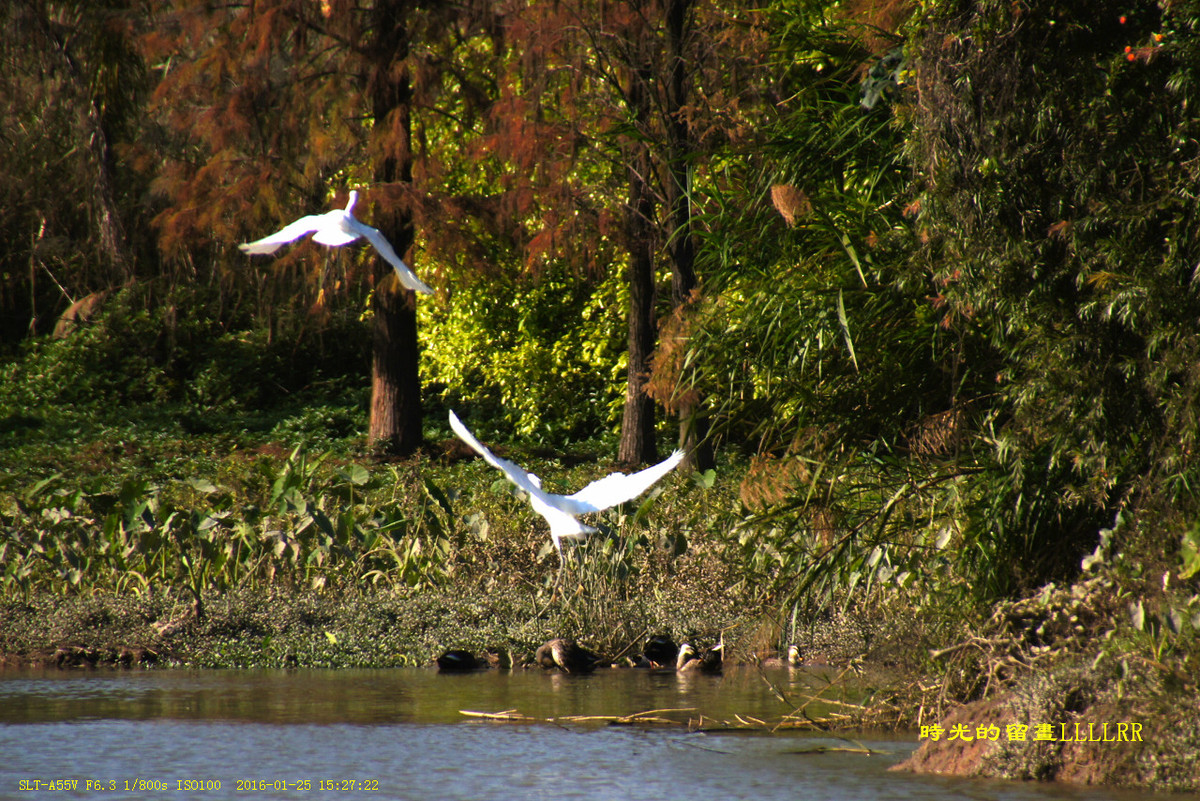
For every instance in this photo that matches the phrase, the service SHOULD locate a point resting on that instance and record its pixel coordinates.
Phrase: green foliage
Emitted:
(118, 359)
(299, 522)
(810, 321)
(540, 357)
(861, 532)
(1061, 222)
(950, 386)
(258, 523)
(144, 349)
(818, 352)
(173, 497)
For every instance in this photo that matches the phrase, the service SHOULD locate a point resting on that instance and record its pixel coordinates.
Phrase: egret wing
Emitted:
(514, 473)
(617, 487)
(407, 276)
(289, 233)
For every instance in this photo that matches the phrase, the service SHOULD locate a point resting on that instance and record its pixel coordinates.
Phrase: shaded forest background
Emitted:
(924, 273)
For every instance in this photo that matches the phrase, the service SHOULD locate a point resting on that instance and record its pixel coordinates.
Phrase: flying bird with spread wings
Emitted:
(336, 228)
(561, 511)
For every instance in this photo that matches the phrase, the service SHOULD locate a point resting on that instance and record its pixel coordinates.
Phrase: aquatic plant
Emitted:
(300, 522)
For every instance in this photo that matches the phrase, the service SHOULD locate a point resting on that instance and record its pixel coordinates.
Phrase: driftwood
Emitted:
(651, 717)
(687, 717)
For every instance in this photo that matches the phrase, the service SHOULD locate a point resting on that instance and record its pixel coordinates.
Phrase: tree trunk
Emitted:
(693, 427)
(637, 421)
(395, 383)
(395, 423)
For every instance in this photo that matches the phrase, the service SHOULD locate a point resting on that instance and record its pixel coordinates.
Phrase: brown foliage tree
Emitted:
(618, 85)
(274, 102)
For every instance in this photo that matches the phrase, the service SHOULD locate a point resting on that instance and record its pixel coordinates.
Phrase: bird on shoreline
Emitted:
(660, 651)
(498, 658)
(689, 661)
(336, 228)
(566, 655)
(457, 661)
(561, 511)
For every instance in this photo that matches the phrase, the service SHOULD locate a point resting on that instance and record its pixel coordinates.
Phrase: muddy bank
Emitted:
(253, 628)
(1078, 711)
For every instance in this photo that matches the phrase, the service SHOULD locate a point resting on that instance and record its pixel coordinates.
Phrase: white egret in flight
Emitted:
(561, 511)
(336, 228)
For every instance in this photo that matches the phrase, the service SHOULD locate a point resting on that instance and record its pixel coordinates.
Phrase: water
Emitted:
(400, 734)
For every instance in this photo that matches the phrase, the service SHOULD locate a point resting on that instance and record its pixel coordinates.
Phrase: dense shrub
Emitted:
(147, 349)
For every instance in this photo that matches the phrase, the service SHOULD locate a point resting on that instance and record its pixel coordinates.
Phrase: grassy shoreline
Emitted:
(277, 628)
(134, 541)
(390, 628)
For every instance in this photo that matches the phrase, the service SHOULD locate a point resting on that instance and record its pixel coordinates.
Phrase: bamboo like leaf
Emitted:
(845, 324)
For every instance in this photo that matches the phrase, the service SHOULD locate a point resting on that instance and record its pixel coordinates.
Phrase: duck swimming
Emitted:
(689, 661)
(566, 655)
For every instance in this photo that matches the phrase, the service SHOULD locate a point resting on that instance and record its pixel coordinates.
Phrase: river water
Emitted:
(401, 734)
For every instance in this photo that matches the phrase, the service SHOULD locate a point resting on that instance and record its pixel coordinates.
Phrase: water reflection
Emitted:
(399, 734)
(260, 696)
(386, 696)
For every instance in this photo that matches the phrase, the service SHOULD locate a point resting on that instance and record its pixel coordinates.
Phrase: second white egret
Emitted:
(561, 511)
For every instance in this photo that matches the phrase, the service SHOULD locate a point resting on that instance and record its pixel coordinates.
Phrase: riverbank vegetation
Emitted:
(914, 283)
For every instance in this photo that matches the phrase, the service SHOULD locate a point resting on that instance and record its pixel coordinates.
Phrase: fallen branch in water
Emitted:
(661, 717)
(508, 716)
(649, 716)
